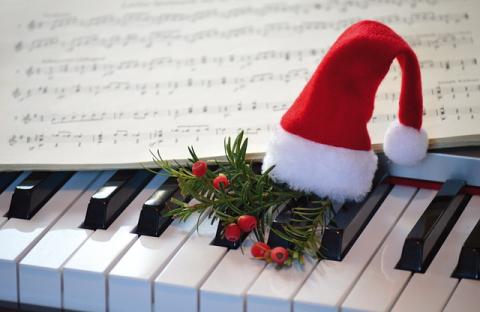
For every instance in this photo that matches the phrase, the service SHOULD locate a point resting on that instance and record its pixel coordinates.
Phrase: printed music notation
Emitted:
(168, 37)
(154, 88)
(107, 69)
(438, 92)
(327, 5)
(175, 135)
(273, 8)
(239, 12)
(150, 19)
(104, 86)
(444, 64)
(227, 110)
(65, 67)
(120, 136)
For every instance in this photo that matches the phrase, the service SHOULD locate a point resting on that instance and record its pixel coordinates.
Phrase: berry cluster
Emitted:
(200, 168)
(262, 251)
(244, 224)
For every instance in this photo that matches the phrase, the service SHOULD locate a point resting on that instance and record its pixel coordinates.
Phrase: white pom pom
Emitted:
(405, 145)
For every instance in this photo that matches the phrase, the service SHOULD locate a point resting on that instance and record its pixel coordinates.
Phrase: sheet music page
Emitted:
(101, 83)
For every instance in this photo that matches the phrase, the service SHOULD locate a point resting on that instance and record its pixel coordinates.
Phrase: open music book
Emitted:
(100, 84)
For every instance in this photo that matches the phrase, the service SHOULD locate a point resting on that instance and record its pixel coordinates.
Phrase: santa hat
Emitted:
(322, 144)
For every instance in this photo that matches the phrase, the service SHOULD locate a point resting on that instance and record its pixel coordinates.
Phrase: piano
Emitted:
(95, 241)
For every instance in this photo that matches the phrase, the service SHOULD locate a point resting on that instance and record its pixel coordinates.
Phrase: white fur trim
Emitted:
(328, 171)
(405, 145)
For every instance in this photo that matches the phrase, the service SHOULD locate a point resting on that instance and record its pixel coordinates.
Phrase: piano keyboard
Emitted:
(411, 245)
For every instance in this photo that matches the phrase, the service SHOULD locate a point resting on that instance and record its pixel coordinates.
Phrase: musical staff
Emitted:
(438, 92)
(146, 18)
(161, 87)
(227, 110)
(169, 37)
(180, 133)
(238, 83)
(444, 64)
(82, 67)
(191, 63)
(326, 5)
(102, 116)
(151, 139)
(436, 41)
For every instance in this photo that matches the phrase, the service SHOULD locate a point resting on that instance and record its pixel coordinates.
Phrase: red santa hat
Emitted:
(322, 144)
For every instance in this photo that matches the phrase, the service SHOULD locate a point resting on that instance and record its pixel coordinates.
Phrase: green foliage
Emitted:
(248, 193)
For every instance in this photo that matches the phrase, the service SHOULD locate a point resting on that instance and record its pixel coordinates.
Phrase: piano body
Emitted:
(412, 245)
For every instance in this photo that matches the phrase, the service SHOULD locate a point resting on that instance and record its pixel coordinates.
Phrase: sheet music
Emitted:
(103, 83)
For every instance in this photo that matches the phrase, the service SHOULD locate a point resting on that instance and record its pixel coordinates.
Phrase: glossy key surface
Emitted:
(432, 228)
(349, 222)
(19, 236)
(112, 198)
(6, 197)
(275, 238)
(85, 273)
(430, 291)
(6, 178)
(41, 270)
(33, 192)
(152, 221)
(469, 261)
(380, 276)
(331, 281)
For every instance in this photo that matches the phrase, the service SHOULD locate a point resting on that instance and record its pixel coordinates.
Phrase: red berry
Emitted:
(259, 249)
(232, 232)
(247, 223)
(221, 179)
(199, 168)
(279, 255)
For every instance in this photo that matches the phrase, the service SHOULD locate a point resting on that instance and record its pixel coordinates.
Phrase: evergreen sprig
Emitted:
(248, 193)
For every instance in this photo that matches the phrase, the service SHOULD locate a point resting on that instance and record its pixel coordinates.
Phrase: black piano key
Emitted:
(112, 198)
(349, 222)
(221, 241)
(430, 231)
(6, 178)
(281, 220)
(33, 192)
(152, 221)
(469, 261)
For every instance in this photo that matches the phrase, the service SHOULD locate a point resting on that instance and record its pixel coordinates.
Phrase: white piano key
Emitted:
(380, 283)
(226, 287)
(18, 236)
(274, 289)
(176, 287)
(84, 274)
(331, 281)
(431, 291)
(465, 298)
(40, 271)
(6, 197)
(130, 282)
